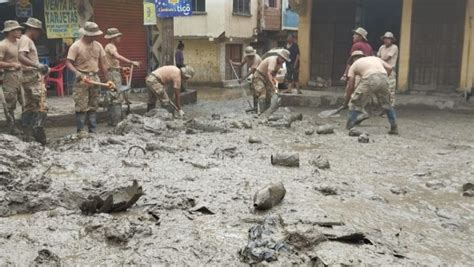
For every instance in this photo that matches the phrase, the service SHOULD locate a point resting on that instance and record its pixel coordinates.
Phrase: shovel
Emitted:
(127, 87)
(243, 90)
(330, 113)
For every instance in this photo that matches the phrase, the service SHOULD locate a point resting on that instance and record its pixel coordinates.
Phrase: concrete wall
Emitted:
(467, 71)
(405, 43)
(304, 41)
(217, 19)
(204, 57)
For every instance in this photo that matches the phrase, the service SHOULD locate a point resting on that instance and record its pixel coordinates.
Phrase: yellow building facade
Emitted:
(436, 41)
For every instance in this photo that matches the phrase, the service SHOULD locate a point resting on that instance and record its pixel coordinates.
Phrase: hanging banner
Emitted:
(173, 8)
(61, 19)
(149, 12)
(290, 19)
(24, 9)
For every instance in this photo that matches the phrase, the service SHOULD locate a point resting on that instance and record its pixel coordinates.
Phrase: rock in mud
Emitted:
(159, 113)
(304, 237)
(132, 123)
(206, 126)
(309, 132)
(287, 160)
(468, 190)
(325, 129)
(116, 201)
(269, 196)
(265, 242)
(364, 138)
(47, 258)
(119, 233)
(435, 184)
(320, 162)
(327, 190)
(254, 140)
(284, 121)
(355, 132)
(216, 117)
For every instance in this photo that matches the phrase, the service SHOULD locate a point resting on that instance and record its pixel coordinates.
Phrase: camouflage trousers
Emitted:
(12, 89)
(86, 96)
(114, 97)
(35, 92)
(375, 85)
(263, 88)
(392, 84)
(156, 90)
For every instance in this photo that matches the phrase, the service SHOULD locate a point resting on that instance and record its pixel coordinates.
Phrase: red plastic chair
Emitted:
(57, 79)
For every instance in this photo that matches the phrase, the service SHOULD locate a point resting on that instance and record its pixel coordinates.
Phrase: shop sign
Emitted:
(149, 12)
(173, 8)
(24, 9)
(61, 19)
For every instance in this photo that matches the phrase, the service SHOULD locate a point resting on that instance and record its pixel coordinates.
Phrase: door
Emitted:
(233, 52)
(436, 49)
(331, 38)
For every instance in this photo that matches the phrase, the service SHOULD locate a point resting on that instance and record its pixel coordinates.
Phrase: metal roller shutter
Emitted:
(127, 16)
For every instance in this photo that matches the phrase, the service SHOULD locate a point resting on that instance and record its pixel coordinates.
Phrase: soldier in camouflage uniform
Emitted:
(114, 99)
(12, 71)
(35, 108)
(84, 58)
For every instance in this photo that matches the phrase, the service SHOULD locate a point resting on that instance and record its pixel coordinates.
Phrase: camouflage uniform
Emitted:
(86, 96)
(392, 84)
(12, 88)
(35, 92)
(263, 88)
(156, 90)
(376, 84)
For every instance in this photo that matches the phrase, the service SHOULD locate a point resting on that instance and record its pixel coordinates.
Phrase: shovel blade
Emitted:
(329, 113)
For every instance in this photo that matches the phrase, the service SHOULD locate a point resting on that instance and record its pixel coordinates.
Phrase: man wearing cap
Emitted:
(264, 81)
(359, 43)
(35, 108)
(251, 60)
(115, 98)
(84, 58)
(388, 52)
(374, 74)
(163, 77)
(12, 71)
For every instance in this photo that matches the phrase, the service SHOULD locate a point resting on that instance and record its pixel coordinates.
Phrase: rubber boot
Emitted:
(275, 102)
(150, 107)
(38, 130)
(110, 115)
(392, 119)
(114, 114)
(80, 121)
(362, 117)
(27, 125)
(92, 121)
(262, 106)
(255, 102)
(352, 119)
(12, 127)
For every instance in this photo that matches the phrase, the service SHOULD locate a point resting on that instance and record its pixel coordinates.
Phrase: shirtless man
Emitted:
(11, 67)
(251, 60)
(163, 77)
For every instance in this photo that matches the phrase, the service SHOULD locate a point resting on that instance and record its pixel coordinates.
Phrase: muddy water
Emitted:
(402, 192)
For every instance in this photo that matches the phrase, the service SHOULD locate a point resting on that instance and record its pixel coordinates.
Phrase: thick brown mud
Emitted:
(396, 200)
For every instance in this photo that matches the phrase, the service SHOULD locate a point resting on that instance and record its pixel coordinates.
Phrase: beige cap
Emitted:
(188, 72)
(285, 54)
(249, 51)
(362, 32)
(91, 29)
(34, 23)
(112, 33)
(11, 25)
(388, 35)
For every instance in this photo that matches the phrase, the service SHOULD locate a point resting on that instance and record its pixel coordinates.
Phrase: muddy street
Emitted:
(393, 200)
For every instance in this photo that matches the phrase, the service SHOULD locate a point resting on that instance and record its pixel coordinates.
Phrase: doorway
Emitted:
(436, 44)
(234, 53)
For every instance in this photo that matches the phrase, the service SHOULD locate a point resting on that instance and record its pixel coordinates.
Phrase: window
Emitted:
(271, 3)
(199, 5)
(242, 7)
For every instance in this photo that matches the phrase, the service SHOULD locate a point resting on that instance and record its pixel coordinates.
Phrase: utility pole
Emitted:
(166, 41)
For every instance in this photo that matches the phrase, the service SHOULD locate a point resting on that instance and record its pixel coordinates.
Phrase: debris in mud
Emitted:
(216, 117)
(201, 209)
(286, 159)
(356, 238)
(254, 140)
(152, 147)
(309, 132)
(355, 132)
(304, 237)
(206, 126)
(327, 190)
(204, 165)
(364, 138)
(283, 120)
(435, 184)
(116, 201)
(47, 258)
(266, 241)
(320, 162)
(325, 129)
(132, 123)
(468, 190)
(118, 233)
(229, 152)
(269, 196)
(398, 190)
(159, 113)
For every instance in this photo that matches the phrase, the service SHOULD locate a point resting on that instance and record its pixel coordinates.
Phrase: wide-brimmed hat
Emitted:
(285, 54)
(249, 51)
(11, 25)
(188, 72)
(357, 53)
(91, 29)
(34, 23)
(362, 32)
(388, 35)
(112, 33)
